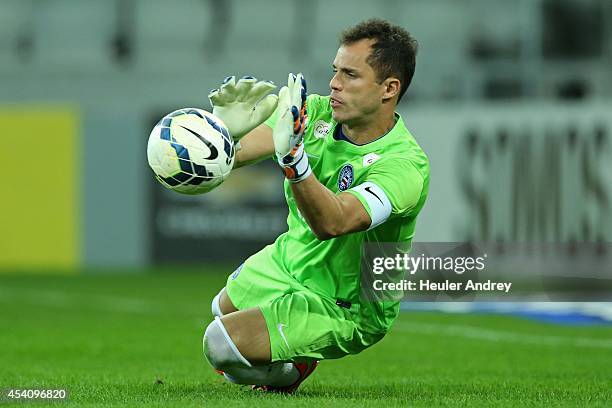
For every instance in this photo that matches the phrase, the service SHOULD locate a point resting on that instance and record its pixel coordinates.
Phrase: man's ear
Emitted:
(392, 87)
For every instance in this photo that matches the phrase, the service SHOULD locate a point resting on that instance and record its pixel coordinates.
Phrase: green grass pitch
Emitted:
(135, 340)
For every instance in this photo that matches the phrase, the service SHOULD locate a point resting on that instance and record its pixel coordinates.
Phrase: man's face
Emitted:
(355, 92)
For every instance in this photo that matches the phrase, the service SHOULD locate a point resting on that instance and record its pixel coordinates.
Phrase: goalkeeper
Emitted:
(354, 174)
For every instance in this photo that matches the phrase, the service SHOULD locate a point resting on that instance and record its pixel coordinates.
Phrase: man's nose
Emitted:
(334, 83)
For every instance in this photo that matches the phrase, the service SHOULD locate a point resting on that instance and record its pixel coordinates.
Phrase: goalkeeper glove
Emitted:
(243, 105)
(288, 134)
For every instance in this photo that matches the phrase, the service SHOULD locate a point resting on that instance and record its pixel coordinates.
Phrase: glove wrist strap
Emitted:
(296, 168)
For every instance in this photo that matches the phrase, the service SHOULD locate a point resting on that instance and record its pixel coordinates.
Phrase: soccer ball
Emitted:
(190, 151)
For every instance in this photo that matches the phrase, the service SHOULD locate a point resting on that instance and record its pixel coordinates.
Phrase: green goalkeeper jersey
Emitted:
(397, 165)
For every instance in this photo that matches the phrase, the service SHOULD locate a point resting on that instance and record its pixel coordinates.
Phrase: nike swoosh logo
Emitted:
(280, 330)
(214, 153)
(374, 194)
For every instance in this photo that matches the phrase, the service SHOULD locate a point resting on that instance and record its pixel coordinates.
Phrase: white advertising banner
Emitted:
(516, 173)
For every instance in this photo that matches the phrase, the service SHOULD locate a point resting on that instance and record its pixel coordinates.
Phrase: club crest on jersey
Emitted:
(345, 177)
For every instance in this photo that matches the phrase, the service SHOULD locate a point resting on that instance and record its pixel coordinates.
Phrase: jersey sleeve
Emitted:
(391, 188)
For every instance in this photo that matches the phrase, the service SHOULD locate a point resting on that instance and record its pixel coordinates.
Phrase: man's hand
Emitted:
(288, 134)
(243, 105)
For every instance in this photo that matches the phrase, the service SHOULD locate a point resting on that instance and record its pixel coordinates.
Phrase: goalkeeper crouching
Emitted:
(354, 174)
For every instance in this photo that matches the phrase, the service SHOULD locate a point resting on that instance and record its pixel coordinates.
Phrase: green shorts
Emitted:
(302, 324)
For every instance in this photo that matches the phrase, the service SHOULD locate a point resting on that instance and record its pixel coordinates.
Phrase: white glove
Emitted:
(288, 134)
(243, 105)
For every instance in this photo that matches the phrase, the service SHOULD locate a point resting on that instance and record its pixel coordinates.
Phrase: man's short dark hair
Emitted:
(393, 50)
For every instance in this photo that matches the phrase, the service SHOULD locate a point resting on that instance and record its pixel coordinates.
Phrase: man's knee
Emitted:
(223, 355)
(244, 332)
(216, 306)
(222, 305)
(219, 348)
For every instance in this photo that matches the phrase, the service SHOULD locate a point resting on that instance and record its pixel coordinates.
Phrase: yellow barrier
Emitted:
(40, 199)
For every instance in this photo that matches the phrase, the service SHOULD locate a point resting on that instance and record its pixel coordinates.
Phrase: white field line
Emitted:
(103, 302)
(477, 333)
(601, 310)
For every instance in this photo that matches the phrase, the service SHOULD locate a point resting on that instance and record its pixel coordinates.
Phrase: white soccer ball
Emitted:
(190, 151)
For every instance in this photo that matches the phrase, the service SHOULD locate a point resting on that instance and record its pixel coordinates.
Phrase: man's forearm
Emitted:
(246, 158)
(257, 145)
(328, 215)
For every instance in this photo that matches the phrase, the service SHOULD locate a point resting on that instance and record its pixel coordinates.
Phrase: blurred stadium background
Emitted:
(512, 101)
